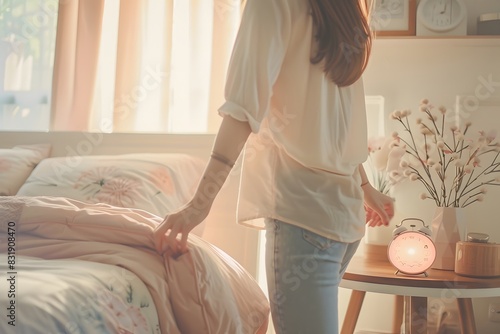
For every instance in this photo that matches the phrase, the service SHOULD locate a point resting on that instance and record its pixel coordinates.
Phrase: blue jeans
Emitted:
(303, 275)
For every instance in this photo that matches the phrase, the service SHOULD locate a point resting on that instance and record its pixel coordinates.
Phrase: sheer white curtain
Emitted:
(185, 49)
(161, 67)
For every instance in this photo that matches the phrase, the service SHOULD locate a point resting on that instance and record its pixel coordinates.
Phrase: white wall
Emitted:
(405, 71)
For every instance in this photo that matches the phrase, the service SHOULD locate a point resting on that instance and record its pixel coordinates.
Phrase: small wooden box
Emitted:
(477, 259)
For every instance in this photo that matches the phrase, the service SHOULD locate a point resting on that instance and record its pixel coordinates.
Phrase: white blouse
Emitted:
(309, 135)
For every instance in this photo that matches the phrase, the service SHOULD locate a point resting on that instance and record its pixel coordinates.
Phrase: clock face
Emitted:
(441, 15)
(412, 252)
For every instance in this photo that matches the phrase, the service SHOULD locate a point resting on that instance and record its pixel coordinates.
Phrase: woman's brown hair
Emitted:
(343, 37)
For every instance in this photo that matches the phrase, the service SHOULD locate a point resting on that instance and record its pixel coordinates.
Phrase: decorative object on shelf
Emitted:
(412, 251)
(441, 17)
(448, 227)
(477, 257)
(451, 165)
(394, 18)
(488, 24)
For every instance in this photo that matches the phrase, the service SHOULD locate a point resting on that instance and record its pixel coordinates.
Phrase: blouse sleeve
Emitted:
(256, 60)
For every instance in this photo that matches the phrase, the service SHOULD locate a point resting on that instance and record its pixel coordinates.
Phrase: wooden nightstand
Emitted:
(373, 272)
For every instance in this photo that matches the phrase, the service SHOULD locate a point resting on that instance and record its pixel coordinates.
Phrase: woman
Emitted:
(295, 101)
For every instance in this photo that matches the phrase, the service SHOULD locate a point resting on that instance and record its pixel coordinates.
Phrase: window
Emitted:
(27, 44)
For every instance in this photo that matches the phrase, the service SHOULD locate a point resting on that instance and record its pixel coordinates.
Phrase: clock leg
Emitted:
(353, 310)
(466, 312)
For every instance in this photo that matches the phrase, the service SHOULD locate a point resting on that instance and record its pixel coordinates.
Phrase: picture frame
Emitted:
(394, 17)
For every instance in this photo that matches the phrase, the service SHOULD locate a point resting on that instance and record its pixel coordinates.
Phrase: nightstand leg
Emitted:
(353, 310)
(466, 312)
(398, 314)
(416, 315)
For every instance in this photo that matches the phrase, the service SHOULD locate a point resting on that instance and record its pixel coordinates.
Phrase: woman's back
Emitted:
(310, 133)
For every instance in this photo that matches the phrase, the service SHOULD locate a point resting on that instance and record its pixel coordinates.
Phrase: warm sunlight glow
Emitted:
(105, 87)
(192, 36)
(158, 66)
(149, 109)
(184, 85)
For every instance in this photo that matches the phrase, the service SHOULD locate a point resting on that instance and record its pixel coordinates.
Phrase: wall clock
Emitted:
(441, 17)
(412, 251)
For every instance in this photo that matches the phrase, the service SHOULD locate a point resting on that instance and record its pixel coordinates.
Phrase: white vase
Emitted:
(448, 227)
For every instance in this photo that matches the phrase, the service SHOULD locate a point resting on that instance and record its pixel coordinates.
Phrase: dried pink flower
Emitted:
(381, 161)
(440, 160)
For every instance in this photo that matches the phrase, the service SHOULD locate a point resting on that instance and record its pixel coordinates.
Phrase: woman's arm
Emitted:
(228, 145)
(229, 142)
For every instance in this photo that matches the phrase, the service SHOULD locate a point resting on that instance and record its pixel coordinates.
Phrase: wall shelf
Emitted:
(465, 41)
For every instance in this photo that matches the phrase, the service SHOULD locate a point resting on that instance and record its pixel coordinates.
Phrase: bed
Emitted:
(77, 213)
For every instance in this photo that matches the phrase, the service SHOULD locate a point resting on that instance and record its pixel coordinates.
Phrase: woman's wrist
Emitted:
(222, 159)
(365, 183)
(201, 202)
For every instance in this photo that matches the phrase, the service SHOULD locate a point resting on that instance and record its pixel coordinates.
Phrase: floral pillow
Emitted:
(17, 163)
(157, 183)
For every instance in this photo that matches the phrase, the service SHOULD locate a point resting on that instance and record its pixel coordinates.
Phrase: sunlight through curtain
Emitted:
(160, 65)
(76, 62)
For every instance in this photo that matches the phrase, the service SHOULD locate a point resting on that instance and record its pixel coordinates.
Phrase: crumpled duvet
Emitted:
(202, 291)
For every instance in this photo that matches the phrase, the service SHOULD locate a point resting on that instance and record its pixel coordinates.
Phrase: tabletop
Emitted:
(372, 271)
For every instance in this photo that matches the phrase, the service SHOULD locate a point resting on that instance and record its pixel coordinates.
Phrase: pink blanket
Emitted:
(202, 291)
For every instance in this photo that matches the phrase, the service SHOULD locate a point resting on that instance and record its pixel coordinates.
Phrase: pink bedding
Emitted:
(202, 291)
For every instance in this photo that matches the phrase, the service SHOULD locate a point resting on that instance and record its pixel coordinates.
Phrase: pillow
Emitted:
(157, 183)
(17, 163)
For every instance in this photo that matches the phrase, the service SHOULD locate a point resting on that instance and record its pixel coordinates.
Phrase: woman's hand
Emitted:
(179, 223)
(379, 207)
